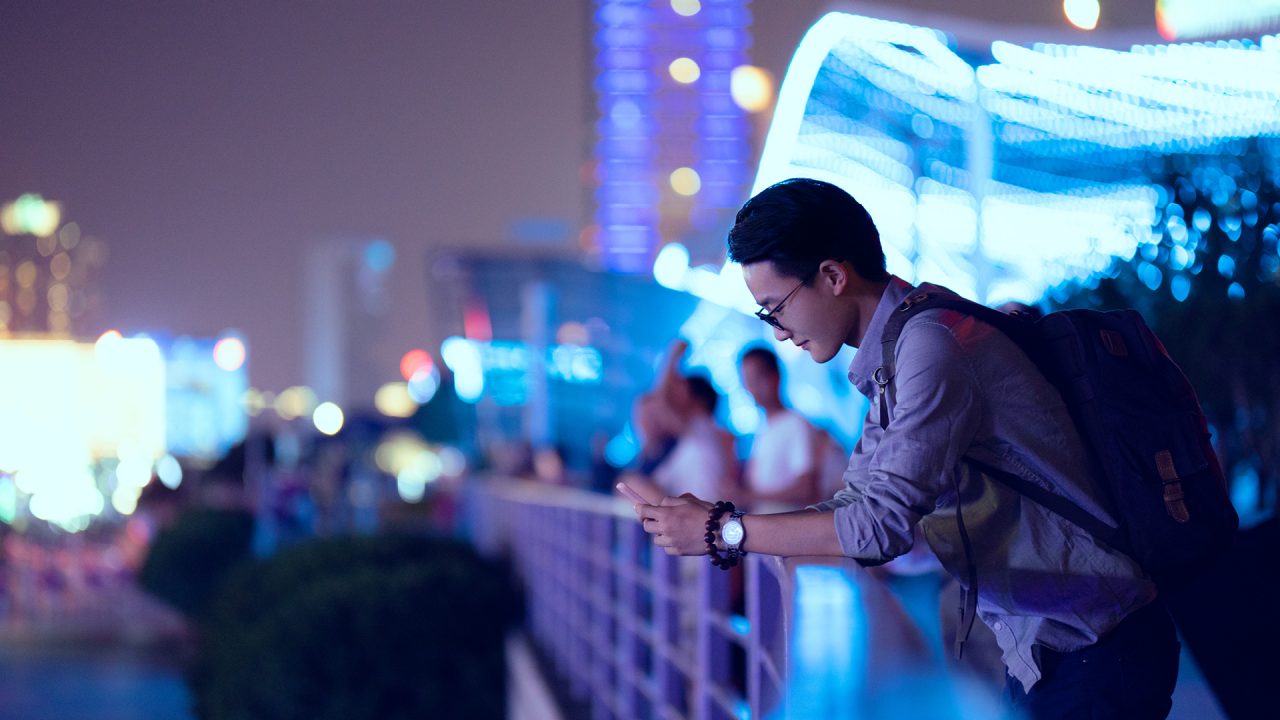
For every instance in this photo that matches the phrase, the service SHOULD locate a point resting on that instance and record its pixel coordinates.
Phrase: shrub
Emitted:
(380, 627)
(188, 560)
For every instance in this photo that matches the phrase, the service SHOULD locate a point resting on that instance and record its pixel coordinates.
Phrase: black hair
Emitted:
(703, 393)
(798, 223)
(762, 355)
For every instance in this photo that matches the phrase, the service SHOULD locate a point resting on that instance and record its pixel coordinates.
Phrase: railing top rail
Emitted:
(537, 493)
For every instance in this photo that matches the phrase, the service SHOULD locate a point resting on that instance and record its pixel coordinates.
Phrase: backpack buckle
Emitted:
(912, 300)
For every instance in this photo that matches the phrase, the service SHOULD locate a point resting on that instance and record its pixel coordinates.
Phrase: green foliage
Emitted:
(1210, 288)
(187, 561)
(350, 628)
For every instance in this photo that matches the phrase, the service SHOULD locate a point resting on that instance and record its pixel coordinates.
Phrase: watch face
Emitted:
(732, 532)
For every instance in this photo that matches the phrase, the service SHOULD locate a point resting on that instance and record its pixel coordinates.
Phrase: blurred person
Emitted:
(702, 460)
(658, 427)
(1082, 629)
(792, 463)
(548, 466)
(683, 407)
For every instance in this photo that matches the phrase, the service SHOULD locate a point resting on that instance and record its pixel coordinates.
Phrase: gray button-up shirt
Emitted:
(963, 389)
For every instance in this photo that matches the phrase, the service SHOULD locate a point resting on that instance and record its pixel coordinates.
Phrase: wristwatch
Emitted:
(733, 533)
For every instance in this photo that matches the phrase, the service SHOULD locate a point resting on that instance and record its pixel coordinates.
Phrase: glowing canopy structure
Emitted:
(1004, 180)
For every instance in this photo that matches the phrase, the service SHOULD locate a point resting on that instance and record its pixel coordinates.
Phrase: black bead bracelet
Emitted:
(724, 562)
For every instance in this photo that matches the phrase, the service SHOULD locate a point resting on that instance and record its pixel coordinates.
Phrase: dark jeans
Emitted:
(1129, 674)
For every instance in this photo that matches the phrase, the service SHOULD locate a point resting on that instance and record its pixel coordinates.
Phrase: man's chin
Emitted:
(819, 355)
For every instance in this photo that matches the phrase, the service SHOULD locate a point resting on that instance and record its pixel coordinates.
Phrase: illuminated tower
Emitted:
(346, 300)
(45, 271)
(673, 148)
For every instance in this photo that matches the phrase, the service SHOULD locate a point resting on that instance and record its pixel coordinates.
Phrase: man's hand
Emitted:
(678, 525)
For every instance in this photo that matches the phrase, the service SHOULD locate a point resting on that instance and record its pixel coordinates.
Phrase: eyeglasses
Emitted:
(769, 316)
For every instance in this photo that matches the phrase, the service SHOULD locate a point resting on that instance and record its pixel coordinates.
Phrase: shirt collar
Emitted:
(865, 363)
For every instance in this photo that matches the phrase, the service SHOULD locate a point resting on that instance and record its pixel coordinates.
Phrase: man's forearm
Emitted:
(805, 532)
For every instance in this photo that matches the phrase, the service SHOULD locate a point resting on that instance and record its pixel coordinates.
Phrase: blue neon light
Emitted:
(650, 125)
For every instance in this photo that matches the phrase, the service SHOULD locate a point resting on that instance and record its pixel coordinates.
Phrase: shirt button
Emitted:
(998, 626)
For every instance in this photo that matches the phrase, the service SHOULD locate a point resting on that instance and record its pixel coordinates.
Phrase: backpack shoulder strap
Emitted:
(927, 298)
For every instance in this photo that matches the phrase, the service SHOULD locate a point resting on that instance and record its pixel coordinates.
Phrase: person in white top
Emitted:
(792, 464)
(702, 459)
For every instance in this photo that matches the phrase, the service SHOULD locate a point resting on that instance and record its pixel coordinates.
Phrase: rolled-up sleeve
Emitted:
(896, 476)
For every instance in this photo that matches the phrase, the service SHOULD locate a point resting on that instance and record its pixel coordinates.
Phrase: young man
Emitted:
(1079, 624)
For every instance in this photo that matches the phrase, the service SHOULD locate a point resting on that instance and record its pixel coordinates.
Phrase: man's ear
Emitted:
(835, 275)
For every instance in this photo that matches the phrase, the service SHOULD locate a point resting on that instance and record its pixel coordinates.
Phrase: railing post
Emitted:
(764, 612)
(668, 680)
(577, 606)
(629, 700)
(711, 661)
(603, 598)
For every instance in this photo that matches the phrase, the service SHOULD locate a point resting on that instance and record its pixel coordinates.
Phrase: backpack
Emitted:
(1141, 424)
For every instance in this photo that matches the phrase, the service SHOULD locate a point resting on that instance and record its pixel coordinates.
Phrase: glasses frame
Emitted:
(769, 315)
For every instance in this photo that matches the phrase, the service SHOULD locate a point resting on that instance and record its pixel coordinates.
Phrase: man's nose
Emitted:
(781, 334)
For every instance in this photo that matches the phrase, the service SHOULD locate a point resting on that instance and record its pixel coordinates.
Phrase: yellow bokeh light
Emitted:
(687, 8)
(1082, 13)
(125, 499)
(26, 301)
(686, 181)
(397, 451)
(26, 274)
(47, 245)
(59, 322)
(60, 266)
(69, 236)
(393, 400)
(295, 402)
(58, 296)
(751, 88)
(684, 70)
(31, 214)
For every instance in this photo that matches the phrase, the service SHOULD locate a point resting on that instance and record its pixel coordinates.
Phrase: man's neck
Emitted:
(867, 301)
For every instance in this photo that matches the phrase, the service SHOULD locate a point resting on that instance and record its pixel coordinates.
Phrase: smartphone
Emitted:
(632, 495)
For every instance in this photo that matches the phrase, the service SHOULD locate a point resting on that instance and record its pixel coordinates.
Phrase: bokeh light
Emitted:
(169, 470)
(295, 402)
(328, 418)
(1082, 13)
(31, 215)
(414, 361)
(687, 8)
(393, 400)
(671, 265)
(229, 353)
(423, 385)
(463, 358)
(572, 333)
(684, 70)
(751, 88)
(686, 181)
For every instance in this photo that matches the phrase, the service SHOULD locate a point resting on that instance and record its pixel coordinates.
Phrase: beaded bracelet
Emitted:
(724, 562)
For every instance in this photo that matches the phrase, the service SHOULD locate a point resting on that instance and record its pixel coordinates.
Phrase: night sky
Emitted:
(211, 144)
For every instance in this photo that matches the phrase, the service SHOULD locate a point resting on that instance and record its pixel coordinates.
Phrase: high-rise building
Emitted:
(346, 298)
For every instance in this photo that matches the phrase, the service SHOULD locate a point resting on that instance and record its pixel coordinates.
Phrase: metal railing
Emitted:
(638, 634)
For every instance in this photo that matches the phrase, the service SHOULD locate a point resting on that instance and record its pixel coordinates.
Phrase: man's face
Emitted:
(811, 318)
